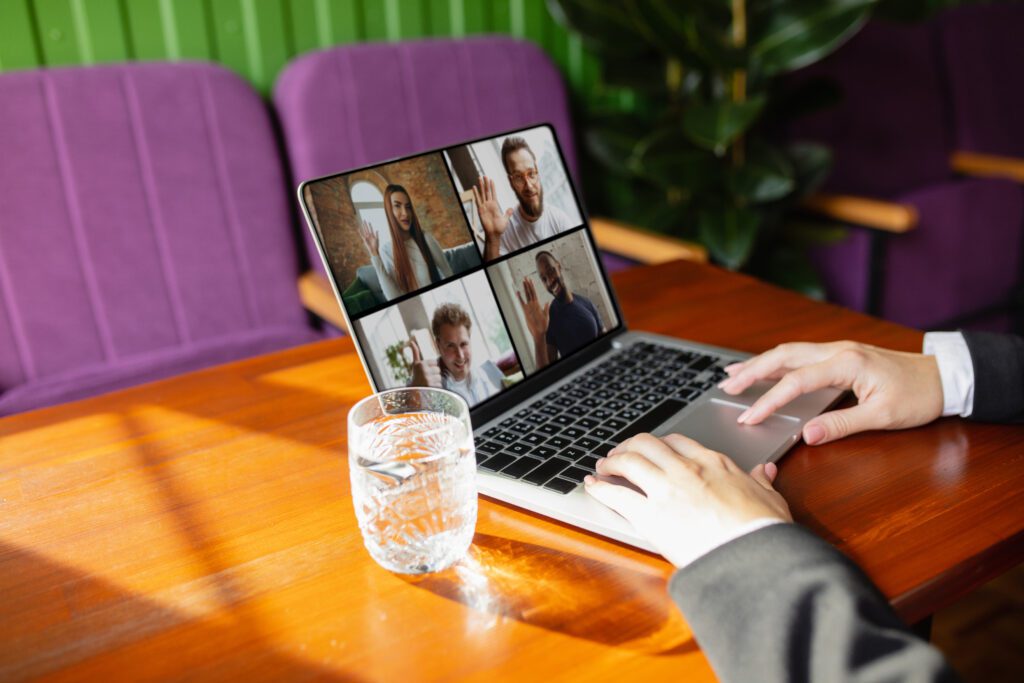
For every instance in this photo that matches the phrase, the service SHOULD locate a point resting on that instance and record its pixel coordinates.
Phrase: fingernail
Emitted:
(721, 385)
(771, 469)
(743, 416)
(813, 434)
(589, 479)
(732, 367)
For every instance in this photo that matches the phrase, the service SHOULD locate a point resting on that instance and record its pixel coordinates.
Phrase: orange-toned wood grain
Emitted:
(202, 527)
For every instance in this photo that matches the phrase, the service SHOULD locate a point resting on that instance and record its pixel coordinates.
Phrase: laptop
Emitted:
(473, 268)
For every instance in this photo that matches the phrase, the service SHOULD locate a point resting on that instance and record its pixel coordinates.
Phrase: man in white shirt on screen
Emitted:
(454, 370)
(529, 222)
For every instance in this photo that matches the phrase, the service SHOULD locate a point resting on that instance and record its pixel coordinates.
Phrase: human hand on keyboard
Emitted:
(895, 390)
(693, 499)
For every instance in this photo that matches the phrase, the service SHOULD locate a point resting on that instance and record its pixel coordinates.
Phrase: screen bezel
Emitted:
(530, 385)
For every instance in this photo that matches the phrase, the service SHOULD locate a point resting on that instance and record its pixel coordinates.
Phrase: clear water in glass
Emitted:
(413, 470)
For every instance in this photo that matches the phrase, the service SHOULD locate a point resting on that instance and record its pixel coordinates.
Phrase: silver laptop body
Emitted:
(708, 417)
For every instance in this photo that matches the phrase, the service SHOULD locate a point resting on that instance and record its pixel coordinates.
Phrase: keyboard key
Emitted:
(591, 402)
(480, 457)
(575, 474)
(642, 406)
(652, 398)
(587, 422)
(558, 442)
(614, 405)
(602, 450)
(549, 428)
(563, 420)
(519, 448)
(564, 402)
(578, 411)
(521, 466)
(573, 432)
(546, 471)
(702, 363)
(614, 423)
(588, 463)
(489, 447)
(492, 432)
(550, 410)
(498, 462)
(507, 437)
(588, 444)
(544, 452)
(536, 418)
(651, 420)
(561, 485)
(508, 422)
(577, 393)
(602, 414)
(572, 453)
(601, 433)
(533, 439)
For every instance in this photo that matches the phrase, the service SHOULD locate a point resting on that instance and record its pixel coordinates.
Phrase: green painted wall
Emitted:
(257, 37)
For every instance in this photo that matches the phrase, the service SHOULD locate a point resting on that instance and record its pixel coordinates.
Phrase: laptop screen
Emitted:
(469, 268)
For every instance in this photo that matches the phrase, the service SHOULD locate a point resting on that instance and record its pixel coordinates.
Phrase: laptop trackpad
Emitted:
(713, 424)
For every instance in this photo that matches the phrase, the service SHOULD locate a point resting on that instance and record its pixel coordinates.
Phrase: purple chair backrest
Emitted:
(984, 50)
(890, 134)
(143, 210)
(357, 105)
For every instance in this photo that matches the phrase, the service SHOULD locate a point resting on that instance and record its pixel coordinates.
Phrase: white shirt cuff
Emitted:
(955, 370)
(748, 528)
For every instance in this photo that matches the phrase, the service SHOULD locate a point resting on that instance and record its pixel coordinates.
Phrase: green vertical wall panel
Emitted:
(500, 17)
(146, 30)
(101, 30)
(375, 20)
(17, 36)
(186, 25)
(59, 39)
(256, 38)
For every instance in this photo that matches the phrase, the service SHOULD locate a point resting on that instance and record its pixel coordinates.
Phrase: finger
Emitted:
(521, 301)
(774, 363)
(532, 291)
(696, 452)
(765, 475)
(508, 212)
(547, 311)
(492, 190)
(622, 500)
(417, 355)
(839, 423)
(832, 372)
(656, 450)
(633, 466)
(476, 197)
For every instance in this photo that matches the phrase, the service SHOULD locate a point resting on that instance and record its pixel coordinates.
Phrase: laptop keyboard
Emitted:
(555, 441)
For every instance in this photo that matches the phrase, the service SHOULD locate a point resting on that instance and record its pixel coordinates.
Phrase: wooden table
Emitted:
(202, 527)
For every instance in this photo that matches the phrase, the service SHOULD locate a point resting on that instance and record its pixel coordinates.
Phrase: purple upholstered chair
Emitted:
(892, 141)
(356, 105)
(146, 229)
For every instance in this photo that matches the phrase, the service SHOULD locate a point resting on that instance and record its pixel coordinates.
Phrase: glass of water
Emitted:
(413, 471)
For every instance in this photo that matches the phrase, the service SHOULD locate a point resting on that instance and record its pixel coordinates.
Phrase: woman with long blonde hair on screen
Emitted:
(412, 259)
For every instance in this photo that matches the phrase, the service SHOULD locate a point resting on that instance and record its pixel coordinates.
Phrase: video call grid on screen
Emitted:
(448, 306)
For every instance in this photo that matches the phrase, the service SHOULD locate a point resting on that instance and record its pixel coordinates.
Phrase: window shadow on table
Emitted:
(57, 619)
(565, 593)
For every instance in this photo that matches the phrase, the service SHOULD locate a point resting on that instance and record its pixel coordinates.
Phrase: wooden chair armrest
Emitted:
(987, 165)
(642, 245)
(864, 212)
(317, 296)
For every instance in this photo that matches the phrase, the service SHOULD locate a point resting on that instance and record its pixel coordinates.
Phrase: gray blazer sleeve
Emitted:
(998, 361)
(780, 604)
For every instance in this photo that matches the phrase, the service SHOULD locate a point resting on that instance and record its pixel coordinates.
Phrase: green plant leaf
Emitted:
(812, 162)
(793, 34)
(729, 234)
(670, 160)
(715, 125)
(790, 268)
(614, 143)
(604, 25)
(805, 233)
(766, 176)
